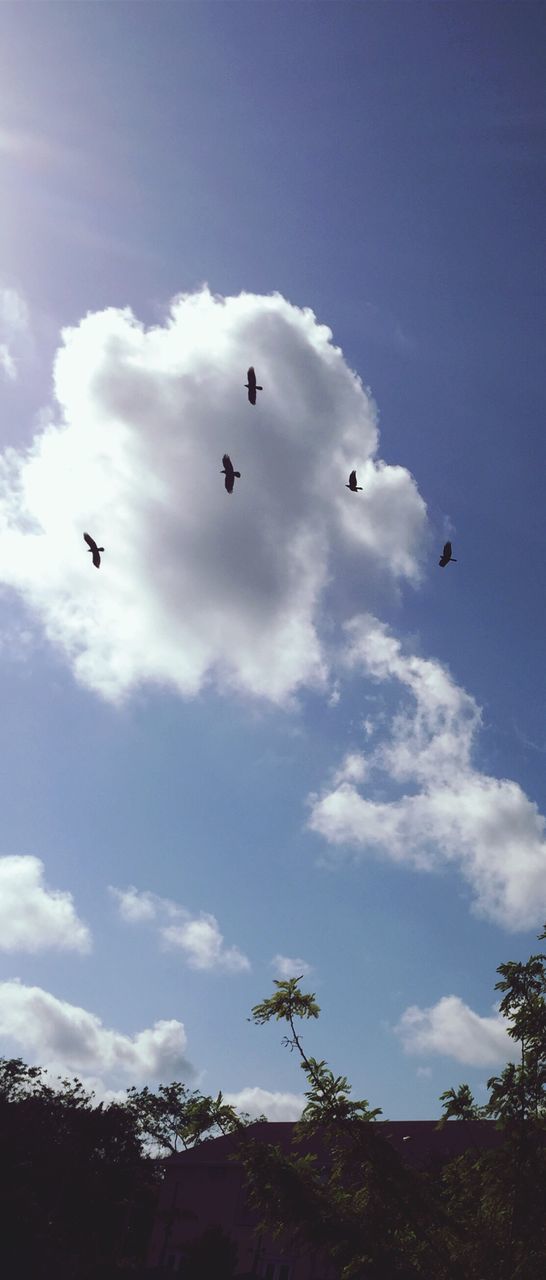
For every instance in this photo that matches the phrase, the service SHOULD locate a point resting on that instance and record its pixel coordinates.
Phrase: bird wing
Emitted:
(229, 480)
(252, 394)
(226, 461)
(96, 558)
(447, 550)
(90, 542)
(352, 479)
(251, 376)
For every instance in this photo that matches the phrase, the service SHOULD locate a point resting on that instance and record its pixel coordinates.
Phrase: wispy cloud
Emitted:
(286, 967)
(36, 150)
(14, 327)
(7, 363)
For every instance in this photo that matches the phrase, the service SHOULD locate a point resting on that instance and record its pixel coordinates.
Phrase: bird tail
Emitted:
(454, 559)
(238, 474)
(258, 388)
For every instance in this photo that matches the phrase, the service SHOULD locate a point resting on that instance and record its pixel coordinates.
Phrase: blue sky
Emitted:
(196, 721)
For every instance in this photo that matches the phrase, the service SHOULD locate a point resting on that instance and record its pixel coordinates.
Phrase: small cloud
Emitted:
(198, 937)
(354, 768)
(423, 1073)
(451, 1028)
(134, 907)
(276, 1106)
(288, 968)
(203, 945)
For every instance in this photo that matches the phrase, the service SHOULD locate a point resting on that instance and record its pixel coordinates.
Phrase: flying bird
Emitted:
(446, 556)
(229, 473)
(92, 546)
(352, 485)
(251, 385)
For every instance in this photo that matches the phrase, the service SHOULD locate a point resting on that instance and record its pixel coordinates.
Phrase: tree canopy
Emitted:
(79, 1179)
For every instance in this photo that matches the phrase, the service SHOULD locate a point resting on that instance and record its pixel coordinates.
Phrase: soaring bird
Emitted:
(92, 546)
(352, 485)
(229, 473)
(446, 556)
(251, 385)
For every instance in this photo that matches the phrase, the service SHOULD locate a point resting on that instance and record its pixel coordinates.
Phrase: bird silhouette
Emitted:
(446, 556)
(352, 485)
(92, 546)
(251, 385)
(229, 473)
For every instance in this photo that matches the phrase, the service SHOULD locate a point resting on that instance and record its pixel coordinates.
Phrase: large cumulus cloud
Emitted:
(64, 1037)
(196, 585)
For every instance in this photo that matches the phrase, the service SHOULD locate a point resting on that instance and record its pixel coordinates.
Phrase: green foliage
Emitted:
(459, 1104)
(480, 1217)
(500, 1195)
(287, 1003)
(351, 1197)
(176, 1118)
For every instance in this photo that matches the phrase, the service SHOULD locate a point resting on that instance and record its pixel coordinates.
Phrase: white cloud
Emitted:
(449, 811)
(335, 695)
(66, 1038)
(353, 768)
(198, 937)
(7, 363)
(450, 1027)
(14, 318)
(285, 967)
(276, 1106)
(133, 906)
(14, 324)
(196, 585)
(34, 917)
(203, 945)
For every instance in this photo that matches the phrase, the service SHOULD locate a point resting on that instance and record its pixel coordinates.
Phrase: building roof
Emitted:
(419, 1142)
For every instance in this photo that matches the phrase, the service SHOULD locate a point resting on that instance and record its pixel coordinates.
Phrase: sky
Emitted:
(270, 737)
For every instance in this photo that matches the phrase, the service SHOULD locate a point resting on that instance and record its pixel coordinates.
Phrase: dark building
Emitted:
(204, 1188)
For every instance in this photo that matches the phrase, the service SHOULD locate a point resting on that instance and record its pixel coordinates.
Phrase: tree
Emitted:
(176, 1118)
(350, 1195)
(76, 1194)
(459, 1104)
(501, 1194)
